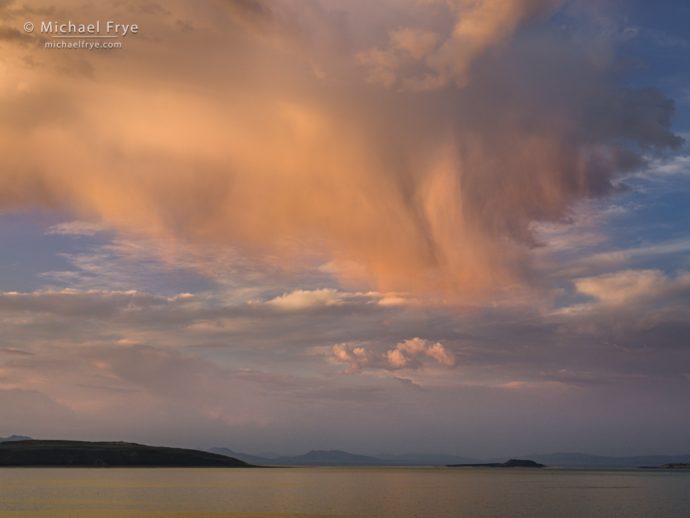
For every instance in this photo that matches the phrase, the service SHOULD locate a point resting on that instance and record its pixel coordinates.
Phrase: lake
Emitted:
(342, 492)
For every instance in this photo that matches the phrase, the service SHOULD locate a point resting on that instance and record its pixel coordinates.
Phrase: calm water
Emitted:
(344, 492)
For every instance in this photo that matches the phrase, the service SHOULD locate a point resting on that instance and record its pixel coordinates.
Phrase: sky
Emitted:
(455, 226)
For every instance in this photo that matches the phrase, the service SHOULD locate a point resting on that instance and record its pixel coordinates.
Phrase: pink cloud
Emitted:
(413, 353)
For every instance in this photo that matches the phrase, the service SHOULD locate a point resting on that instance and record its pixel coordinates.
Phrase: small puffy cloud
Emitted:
(439, 353)
(413, 353)
(356, 357)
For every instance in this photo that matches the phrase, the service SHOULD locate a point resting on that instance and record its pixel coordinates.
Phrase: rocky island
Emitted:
(120, 454)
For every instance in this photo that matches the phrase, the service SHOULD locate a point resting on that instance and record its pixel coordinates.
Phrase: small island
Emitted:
(45, 453)
(512, 463)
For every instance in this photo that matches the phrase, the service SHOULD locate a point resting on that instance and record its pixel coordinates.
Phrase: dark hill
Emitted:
(82, 453)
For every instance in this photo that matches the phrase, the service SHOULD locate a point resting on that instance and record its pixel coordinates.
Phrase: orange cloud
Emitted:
(409, 354)
(242, 127)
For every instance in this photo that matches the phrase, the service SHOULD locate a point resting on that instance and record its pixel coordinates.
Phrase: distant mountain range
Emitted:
(343, 458)
(312, 458)
(428, 459)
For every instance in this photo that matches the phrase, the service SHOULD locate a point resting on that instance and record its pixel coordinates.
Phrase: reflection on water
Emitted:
(341, 492)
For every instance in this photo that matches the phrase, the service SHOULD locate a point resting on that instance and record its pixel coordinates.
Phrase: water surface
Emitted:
(342, 492)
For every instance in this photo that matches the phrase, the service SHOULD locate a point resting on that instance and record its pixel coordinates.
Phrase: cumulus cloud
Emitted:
(356, 357)
(264, 134)
(408, 354)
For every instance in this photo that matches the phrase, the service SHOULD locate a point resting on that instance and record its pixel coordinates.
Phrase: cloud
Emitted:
(132, 368)
(640, 312)
(303, 299)
(676, 165)
(631, 286)
(12, 34)
(356, 357)
(312, 299)
(16, 352)
(624, 286)
(206, 320)
(429, 192)
(479, 26)
(408, 354)
(77, 303)
(30, 411)
(76, 228)
(415, 42)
